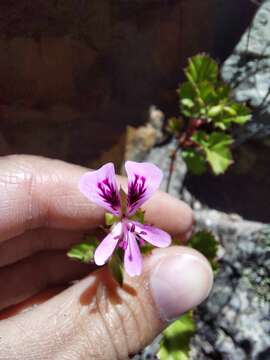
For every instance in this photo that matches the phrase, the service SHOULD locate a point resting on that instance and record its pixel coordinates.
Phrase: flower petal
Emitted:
(153, 235)
(107, 245)
(143, 180)
(100, 187)
(133, 257)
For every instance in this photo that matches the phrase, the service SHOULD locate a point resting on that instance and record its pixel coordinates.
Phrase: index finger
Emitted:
(39, 192)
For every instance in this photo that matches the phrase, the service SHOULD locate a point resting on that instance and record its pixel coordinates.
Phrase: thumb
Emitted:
(97, 319)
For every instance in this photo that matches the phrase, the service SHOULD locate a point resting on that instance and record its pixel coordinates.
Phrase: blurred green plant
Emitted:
(207, 114)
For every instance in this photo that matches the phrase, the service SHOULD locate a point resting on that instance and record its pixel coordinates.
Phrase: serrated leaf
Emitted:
(195, 161)
(116, 269)
(241, 115)
(206, 243)
(217, 149)
(233, 113)
(83, 252)
(201, 68)
(175, 344)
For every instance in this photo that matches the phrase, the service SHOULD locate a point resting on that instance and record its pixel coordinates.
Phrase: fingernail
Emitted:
(179, 283)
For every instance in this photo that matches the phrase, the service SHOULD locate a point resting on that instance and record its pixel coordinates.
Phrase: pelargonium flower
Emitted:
(102, 188)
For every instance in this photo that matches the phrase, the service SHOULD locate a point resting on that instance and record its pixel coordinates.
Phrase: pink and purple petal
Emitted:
(143, 180)
(153, 235)
(100, 187)
(107, 246)
(133, 257)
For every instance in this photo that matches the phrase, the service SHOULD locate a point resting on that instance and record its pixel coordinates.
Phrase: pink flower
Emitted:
(101, 187)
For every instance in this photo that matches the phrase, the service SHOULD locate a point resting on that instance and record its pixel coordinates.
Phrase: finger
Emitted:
(98, 320)
(44, 270)
(38, 192)
(36, 240)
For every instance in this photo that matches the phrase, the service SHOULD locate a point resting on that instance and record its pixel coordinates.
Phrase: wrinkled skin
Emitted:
(42, 213)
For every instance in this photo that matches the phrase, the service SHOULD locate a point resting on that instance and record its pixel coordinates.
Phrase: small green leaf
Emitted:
(200, 68)
(187, 102)
(206, 243)
(82, 252)
(215, 110)
(238, 114)
(110, 219)
(175, 125)
(116, 268)
(175, 344)
(230, 110)
(139, 216)
(217, 149)
(195, 161)
(146, 248)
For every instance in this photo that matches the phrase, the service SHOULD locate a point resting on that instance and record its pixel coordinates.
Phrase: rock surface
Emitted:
(234, 323)
(247, 70)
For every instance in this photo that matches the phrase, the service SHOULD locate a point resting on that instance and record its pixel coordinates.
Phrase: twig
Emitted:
(171, 168)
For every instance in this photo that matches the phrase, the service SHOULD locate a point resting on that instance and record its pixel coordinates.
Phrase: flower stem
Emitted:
(171, 168)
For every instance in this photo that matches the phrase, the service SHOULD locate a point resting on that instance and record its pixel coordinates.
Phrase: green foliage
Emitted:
(138, 216)
(83, 252)
(116, 268)
(110, 219)
(175, 125)
(176, 339)
(195, 161)
(216, 147)
(209, 112)
(205, 242)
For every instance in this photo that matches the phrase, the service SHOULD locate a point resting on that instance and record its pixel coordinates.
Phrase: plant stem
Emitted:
(171, 168)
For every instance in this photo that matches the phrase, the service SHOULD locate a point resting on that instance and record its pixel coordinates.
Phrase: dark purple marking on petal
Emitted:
(109, 194)
(136, 190)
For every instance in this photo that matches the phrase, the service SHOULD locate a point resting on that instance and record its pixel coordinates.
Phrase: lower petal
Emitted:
(133, 257)
(153, 235)
(107, 245)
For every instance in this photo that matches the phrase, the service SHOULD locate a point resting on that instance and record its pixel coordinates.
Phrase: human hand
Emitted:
(42, 213)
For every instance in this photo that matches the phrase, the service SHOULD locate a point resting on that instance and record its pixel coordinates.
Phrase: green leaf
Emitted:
(110, 219)
(217, 149)
(175, 344)
(116, 268)
(83, 252)
(138, 216)
(215, 110)
(187, 102)
(201, 68)
(233, 113)
(195, 161)
(146, 248)
(238, 114)
(206, 243)
(175, 125)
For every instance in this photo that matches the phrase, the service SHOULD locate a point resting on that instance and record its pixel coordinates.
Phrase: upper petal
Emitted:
(143, 180)
(133, 257)
(153, 235)
(100, 186)
(107, 245)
